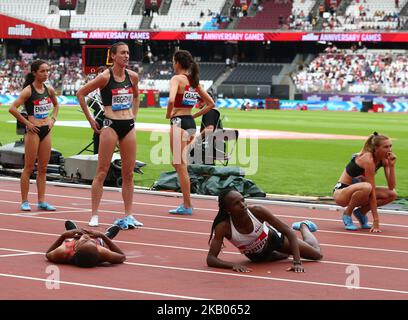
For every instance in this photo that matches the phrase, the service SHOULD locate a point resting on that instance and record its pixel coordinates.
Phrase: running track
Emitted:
(166, 258)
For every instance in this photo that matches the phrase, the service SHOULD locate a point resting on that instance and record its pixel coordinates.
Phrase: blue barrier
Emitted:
(237, 103)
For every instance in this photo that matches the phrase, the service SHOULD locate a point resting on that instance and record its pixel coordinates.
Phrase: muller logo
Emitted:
(20, 30)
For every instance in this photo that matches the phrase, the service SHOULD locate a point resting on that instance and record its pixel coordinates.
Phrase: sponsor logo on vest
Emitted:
(20, 30)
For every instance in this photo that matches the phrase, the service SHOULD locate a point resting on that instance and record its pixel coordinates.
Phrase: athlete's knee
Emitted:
(127, 176)
(392, 195)
(366, 188)
(101, 173)
(29, 168)
(42, 169)
(180, 166)
(319, 255)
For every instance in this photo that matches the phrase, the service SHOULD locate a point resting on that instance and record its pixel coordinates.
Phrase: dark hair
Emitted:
(114, 47)
(222, 214)
(373, 142)
(101, 69)
(185, 59)
(35, 66)
(86, 257)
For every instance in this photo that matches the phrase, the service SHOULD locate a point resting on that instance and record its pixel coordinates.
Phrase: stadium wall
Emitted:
(237, 103)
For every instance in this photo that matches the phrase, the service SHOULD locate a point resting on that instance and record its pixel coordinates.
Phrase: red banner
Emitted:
(243, 36)
(12, 28)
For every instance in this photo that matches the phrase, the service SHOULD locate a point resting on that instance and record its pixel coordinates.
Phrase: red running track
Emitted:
(166, 258)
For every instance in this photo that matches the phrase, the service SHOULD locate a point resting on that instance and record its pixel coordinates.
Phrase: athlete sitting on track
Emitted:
(258, 234)
(356, 189)
(85, 248)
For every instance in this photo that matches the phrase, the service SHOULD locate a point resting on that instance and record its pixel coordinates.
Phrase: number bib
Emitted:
(190, 98)
(122, 99)
(42, 108)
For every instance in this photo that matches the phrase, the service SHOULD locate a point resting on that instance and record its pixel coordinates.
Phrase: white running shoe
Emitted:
(132, 221)
(94, 222)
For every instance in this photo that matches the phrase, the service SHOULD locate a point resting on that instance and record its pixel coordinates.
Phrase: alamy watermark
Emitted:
(353, 280)
(222, 146)
(54, 278)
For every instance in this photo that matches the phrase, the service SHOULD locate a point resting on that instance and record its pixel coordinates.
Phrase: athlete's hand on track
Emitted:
(240, 268)
(296, 268)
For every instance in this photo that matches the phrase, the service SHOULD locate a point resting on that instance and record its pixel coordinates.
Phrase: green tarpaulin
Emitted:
(210, 180)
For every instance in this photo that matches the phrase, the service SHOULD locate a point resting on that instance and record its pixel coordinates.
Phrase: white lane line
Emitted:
(326, 284)
(93, 286)
(21, 251)
(296, 203)
(201, 250)
(216, 273)
(193, 232)
(196, 232)
(206, 234)
(197, 208)
(17, 254)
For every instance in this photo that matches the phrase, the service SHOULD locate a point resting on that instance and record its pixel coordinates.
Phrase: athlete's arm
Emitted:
(54, 100)
(264, 214)
(136, 98)
(369, 170)
(22, 98)
(209, 102)
(389, 170)
(215, 249)
(99, 82)
(172, 96)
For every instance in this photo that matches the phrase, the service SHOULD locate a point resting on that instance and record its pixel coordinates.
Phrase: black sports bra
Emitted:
(354, 170)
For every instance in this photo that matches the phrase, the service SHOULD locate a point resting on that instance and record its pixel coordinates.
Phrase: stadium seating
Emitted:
(108, 15)
(258, 73)
(268, 17)
(31, 10)
(369, 15)
(355, 72)
(188, 12)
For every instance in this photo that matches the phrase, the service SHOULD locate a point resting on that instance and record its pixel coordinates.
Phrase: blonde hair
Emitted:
(373, 142)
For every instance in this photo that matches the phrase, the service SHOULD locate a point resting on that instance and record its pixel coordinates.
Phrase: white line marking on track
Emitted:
(194, 249)
(103, 287)
(264, 278)
(184, 218)
(16, 254)
(236, 275)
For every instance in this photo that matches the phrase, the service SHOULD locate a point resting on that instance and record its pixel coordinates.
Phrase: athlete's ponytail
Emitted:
(186, 61)
(194, 74)
(35, 66)
(373, 142)
(222, 214)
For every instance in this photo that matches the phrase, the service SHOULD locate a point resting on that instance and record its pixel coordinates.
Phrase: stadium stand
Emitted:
(31, 10)
(189, 15)
(108, 15)
(260, 73)
(301, 17)
(273, 15)
(356, 72)
(368, 15)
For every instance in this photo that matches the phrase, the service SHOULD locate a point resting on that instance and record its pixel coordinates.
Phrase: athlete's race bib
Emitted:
(42, 107)
(256, 246)
(122, 99)
(190, 98)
